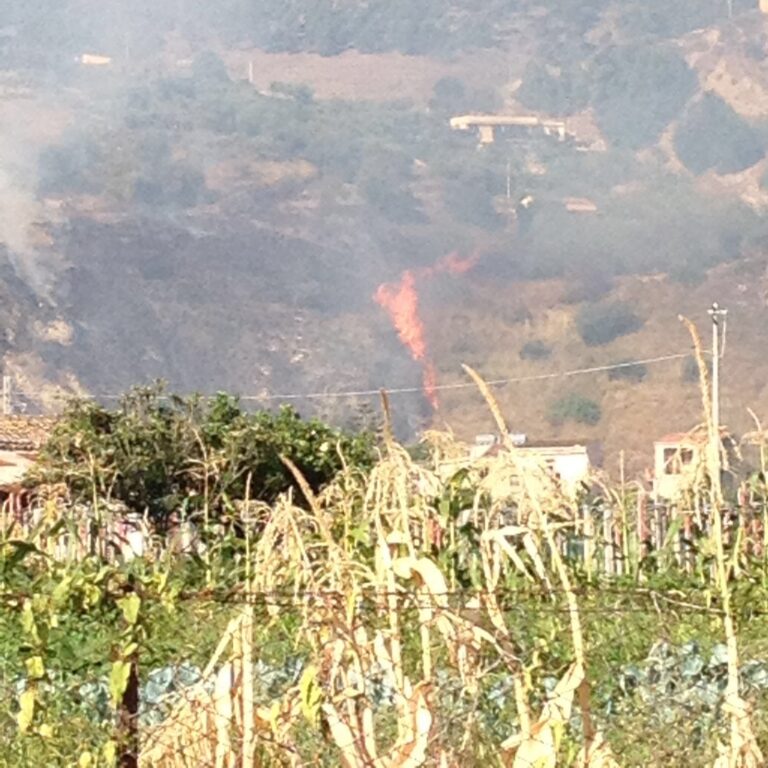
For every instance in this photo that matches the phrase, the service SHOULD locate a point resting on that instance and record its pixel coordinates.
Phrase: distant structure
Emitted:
(580, 205)
(21, 437)
(679, 463)
(488, 125)
(569, 462)
(94, 60)
(677, 459)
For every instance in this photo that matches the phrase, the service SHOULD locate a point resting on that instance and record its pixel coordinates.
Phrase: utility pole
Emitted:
(716, 313)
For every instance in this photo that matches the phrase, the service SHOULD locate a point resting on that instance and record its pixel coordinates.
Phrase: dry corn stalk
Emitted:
(537, 746)
(742, 752)
(208, 727)
(350, 716)
(597, 754)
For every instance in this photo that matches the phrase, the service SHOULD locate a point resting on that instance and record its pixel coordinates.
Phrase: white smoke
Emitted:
(23, 218)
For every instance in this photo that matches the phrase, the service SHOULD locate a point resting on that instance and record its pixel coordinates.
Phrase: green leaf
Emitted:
(35, 667)
(20, 550)
(28, 623)
(118, 680)
(92, 595)
(26, 710)
(311, 694)
(61, 591)
(110, 753)
(130, 605)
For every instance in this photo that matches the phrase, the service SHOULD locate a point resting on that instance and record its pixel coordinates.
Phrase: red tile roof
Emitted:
(25, 433)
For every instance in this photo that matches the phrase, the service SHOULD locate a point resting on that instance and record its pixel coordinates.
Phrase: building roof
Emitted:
(556, 443)
(676, 437)
(25, 433)
(540, 445)
(697, 436)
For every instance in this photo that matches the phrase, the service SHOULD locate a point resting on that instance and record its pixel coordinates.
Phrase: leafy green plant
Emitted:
(175, 455)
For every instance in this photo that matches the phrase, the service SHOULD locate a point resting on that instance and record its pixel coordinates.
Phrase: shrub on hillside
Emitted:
(712, 136)
(576, 408)
(535, 350)
(634, 373)
(556, 94)
(449, 95)
(590, 285)
(638, 91)
(667, 18)
(602, 323)
(469, 199)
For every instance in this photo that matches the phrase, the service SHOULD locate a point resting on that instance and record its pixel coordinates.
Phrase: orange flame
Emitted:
(453, 265)
(401, 301)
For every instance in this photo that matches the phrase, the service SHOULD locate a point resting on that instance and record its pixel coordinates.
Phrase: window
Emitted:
(671, 463)
(677, 458)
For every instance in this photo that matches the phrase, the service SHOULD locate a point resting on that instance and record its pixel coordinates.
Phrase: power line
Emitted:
(440, 387)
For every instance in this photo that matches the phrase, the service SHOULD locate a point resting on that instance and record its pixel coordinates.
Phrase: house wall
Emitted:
(571, 465)
(13, 467)
(672, 477)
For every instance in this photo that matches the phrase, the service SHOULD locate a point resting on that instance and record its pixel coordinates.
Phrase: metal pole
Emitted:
(715, 371)
(716, 313)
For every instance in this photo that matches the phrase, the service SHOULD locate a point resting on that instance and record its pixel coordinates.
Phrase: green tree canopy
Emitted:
(602, 323)
(712, 136)
(165, 455)
(576, 408)
(638, 90)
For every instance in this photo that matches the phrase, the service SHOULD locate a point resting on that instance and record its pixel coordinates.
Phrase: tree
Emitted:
(209, 69)
(711, 136)
(635, 372)
(638, 90)
(668, 18)
(602, 323)
(164, 455)
(556, 94)
(535, 350)
(449, 96)
(576, 408)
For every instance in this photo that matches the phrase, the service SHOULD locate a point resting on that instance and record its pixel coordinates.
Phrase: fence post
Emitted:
(658, 532)
(688, 557)
(608, 553)
(642, 527)
(586, 533)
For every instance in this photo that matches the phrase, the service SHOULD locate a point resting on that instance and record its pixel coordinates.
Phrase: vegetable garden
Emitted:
(395, 615)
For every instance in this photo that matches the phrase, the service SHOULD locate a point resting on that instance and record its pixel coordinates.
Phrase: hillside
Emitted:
(169, 218)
